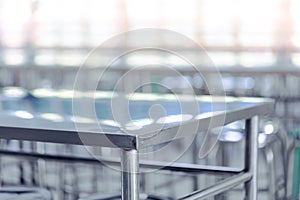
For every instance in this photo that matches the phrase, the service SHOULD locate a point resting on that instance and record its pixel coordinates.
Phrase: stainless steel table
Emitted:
(24, 119)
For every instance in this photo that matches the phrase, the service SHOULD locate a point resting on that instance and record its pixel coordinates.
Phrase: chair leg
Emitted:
(272, 176)
(296, 174)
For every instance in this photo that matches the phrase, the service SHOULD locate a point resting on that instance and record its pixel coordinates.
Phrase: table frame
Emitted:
(130, 145)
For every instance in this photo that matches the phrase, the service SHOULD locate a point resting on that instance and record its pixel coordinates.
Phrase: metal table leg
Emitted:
(130, 173)
(251, 157)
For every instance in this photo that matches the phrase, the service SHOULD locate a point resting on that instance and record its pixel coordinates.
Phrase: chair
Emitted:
(295, 134)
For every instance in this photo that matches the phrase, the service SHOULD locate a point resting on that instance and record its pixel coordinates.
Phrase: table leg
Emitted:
(251, 158)
(130, 174)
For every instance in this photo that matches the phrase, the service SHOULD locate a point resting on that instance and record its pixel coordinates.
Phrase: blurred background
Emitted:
(255, 44)
(42, 43)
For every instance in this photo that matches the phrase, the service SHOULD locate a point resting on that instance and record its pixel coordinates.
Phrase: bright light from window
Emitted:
(256, 59)
(223, 58)
(13, 57)
(45, 58)
(257, 22)
(296, 59)
(87, 23)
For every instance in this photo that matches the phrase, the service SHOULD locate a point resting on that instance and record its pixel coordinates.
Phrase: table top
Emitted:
(111, 119)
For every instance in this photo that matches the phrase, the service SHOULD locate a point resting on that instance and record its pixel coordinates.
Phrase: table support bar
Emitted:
(176, 167)
(220, 187)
